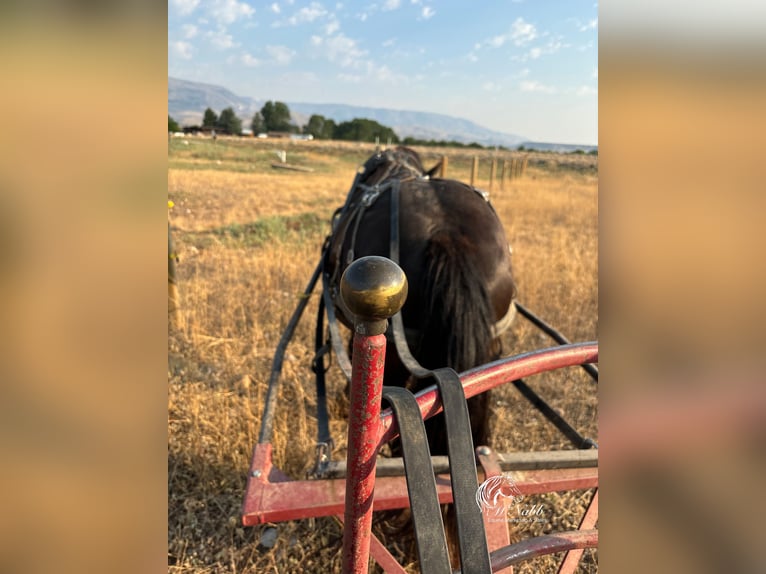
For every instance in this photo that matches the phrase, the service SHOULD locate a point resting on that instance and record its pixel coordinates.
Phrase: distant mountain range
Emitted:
(187, 102)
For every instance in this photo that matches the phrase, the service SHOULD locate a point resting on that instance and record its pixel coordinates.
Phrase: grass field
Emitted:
(248, 237)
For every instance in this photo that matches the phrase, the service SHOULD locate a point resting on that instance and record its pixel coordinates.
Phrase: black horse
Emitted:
(454, 251)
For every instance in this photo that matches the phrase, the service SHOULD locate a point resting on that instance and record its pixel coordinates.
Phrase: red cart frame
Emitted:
(271, 496)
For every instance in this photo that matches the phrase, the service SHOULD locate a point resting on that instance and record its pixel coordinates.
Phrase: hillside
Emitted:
(188, 100)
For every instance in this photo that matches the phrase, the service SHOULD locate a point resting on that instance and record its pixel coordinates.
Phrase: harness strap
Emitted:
(397, 323)
(332, 322)
(421, 482)
(317, 365)
(472, 539)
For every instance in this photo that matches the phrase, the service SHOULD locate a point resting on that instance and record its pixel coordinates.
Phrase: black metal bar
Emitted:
(421, 483)
(592, 370)
(549, 413)
(267, 423)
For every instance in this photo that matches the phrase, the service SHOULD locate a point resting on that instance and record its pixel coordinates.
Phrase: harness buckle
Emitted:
(370, 196)
(323, 451)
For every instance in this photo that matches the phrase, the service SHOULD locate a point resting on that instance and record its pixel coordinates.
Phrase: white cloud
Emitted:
(497, 41)
(220, 39)
(522, 32)
(427, 13)
(282, 55)
(535, 86)
(229, 11)
(388, 43)
(551, 47)
(332, 26)
(185, 6)
(275, 8)
(490, 87)
(307, 14)
(182, 49)
(590, 25)
(343, 50)
(374, 73)
(391, 5)
(386, 75)
(189, 30)
(586, 91)
(351, 78)
(250, 61)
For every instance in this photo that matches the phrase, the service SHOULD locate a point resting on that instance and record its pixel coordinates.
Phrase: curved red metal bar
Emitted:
(486, 377)
(542, 545)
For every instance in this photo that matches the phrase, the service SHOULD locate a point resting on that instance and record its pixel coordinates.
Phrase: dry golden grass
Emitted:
(248, 238)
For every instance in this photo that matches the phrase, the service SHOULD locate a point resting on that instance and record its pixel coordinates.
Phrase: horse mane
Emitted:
(401, 162)
(459, 317)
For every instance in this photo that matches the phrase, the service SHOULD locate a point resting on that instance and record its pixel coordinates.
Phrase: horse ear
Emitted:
(435, 169)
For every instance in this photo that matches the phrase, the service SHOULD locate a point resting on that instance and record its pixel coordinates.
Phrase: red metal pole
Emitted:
(373, 288)
(363, 431)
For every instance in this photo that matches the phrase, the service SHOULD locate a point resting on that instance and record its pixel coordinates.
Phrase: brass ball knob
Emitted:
(373, 288)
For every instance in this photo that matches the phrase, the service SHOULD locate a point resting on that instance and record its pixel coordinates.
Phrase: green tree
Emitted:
(257, 124)
(229, 123)
(328, 132)
(360, 129)
(210, 119)
(320, 127)
(173, 125)
(276, 116)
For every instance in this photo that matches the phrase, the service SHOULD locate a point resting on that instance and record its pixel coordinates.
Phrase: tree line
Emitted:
(276, 117)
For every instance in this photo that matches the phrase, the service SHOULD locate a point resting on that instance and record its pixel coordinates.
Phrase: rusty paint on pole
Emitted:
(364, 421)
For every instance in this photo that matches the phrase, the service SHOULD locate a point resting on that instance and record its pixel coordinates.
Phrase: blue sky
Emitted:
(527, 67)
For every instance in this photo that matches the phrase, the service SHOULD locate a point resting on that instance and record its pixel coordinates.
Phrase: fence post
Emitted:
(524, 165)
(443, 168)
(503, 173)
(174, 300)
(492, 172)
(474, 170)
